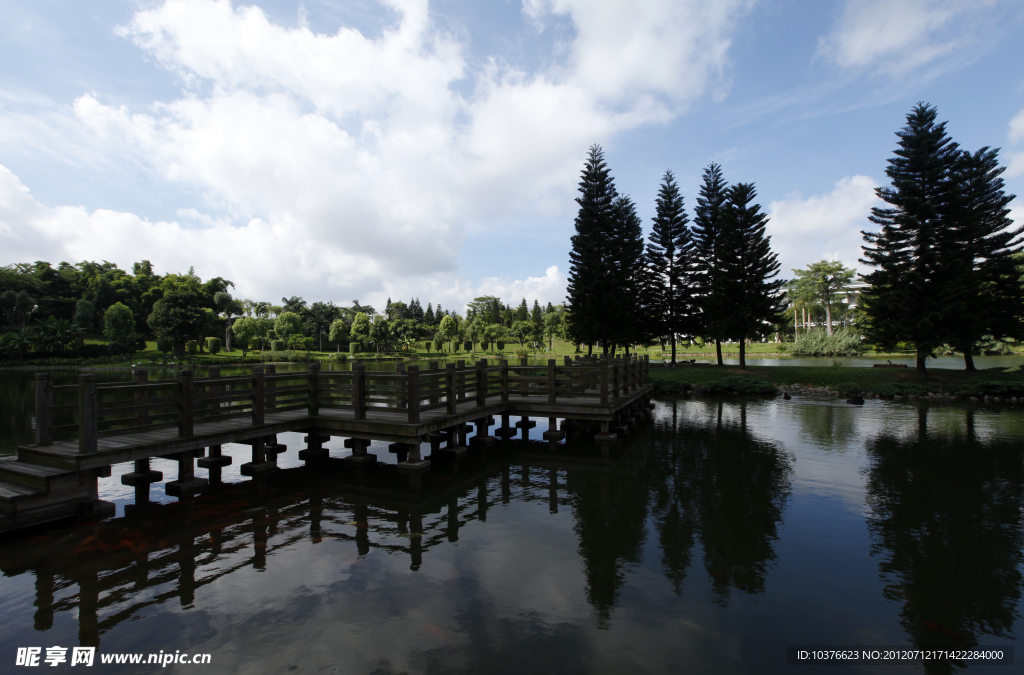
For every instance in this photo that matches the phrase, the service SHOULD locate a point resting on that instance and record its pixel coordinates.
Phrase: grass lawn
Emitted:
(848, 380)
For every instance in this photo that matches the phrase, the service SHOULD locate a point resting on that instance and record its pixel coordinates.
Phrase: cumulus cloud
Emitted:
(823, 226)
(1015, 166)
(897, 36)
(340, 165)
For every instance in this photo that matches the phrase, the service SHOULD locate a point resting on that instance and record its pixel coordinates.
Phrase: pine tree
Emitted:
(707, 224)
(523, 311)
(980, 243)
(625, 311)
(668, 293)
(536, 315)
(428, 316)
(588, 284)
(749, 268)
(912, 296)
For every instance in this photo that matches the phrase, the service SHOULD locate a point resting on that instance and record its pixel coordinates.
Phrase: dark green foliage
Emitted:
(179, 314)
(669, 296)
(737, 384)
(748, 285)
(278, 345)
(707, 246)
(842, 342)
(980, 243)
(590, 272)
(213, 345)
(912, 296)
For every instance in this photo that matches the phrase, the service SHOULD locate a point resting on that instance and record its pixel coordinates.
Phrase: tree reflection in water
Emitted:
(946, 525)
(721, 483)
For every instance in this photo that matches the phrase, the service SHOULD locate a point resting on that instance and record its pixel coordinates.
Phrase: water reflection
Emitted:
(727, 487)
(946, 526)
(717, 535)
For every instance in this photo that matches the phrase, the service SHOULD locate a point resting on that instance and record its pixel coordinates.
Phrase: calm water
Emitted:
(720, 534)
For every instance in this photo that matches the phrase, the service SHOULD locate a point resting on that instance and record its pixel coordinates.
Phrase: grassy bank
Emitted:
(846, 381)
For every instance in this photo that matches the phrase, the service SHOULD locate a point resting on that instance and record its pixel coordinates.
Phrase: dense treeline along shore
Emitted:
(948, 278)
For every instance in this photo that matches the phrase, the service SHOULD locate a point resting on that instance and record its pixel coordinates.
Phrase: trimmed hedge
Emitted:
(213, 345)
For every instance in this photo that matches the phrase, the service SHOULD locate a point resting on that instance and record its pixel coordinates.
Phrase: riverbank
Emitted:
(839, 380)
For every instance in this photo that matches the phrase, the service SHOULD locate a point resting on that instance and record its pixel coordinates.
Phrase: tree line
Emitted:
(46, 310)
(716, 279)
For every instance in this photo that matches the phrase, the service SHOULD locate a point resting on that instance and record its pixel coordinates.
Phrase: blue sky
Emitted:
(343, 149)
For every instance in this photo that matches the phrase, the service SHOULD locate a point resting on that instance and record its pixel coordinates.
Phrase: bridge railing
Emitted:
(92, 411)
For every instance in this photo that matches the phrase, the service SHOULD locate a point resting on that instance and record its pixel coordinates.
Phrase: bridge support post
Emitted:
(525, 424)
(141, 478)
(359, 458)
(314, 450)
(506, 430)
(605, 435)
(414, 466)
(187, 485)
(88, 412)
(553, 434)
(482, 439)
(214, 463)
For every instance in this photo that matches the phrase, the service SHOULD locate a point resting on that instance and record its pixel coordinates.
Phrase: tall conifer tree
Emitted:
(590, 257)
(980, 243)
(669, 254)
(625, 312)
(749, 268)
(912, 298)
(707, 225)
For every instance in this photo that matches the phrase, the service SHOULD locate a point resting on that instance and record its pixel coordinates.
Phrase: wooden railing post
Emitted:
(88, 412)
(259, 400)
(432, 365)
(213, 404)
(413, 377)
(603, 368)
(481, 383)
(616, 383)
(460, 377)
(269, 395)
(450, 388)
(140, 397)
(400, 387)
(524, 383)
(504, 380)
(186, 401)
(314, 389)
(44, 410)
(552, 382)
(359, 391)
(647, 369)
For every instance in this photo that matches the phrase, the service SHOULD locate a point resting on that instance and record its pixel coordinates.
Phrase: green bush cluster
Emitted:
(842, 342)
(213, 345)
(277, 345)
(191, 347)
(737, 384)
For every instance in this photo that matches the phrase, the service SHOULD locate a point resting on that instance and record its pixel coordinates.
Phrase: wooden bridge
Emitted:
(185, 418)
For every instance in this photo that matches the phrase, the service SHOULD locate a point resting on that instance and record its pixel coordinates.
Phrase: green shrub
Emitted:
(213, 345)
(164, 345)
(353, 347)
(842, 342)
(277, 345)
(522, 352)
(468, 346)
(299, 357)
(738, 384)
(501, 345)
(191, 347)
(426, 345)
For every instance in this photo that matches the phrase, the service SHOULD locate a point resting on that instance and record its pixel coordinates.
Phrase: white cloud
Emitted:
(1017, 128)
(824, 226)
(897, 36)
(342, 165)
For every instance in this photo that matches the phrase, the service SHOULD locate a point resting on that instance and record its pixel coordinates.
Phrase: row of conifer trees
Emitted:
(714, 279)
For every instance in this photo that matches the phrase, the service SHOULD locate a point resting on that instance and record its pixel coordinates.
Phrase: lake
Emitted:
(721, 533)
